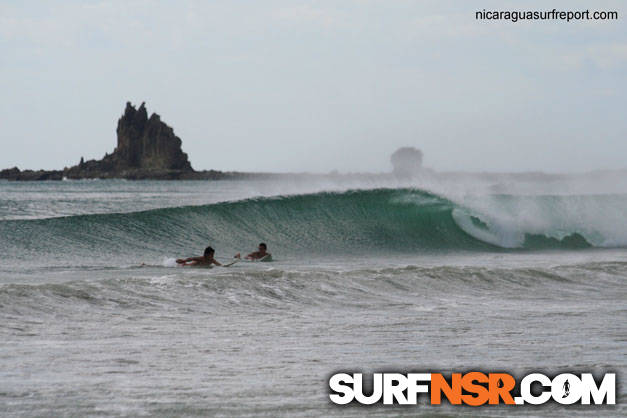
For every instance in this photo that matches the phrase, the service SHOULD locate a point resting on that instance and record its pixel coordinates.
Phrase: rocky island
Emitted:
(147, 148)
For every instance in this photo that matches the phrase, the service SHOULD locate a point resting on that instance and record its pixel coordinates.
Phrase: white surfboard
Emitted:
(237, 260)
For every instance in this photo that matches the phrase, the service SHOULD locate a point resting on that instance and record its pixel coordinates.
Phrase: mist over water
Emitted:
(370, 273)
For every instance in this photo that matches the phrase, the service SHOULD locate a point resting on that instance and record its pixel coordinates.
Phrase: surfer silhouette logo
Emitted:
(566, 389)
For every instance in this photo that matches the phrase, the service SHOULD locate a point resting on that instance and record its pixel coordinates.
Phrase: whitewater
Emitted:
(449, 273)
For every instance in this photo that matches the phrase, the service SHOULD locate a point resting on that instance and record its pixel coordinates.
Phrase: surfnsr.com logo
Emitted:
(473, 388)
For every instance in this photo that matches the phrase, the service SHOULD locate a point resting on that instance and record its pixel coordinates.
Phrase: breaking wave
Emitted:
(381, 220)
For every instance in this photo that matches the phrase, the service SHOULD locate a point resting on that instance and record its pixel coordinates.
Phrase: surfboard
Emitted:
(237, 260)
(199, 266)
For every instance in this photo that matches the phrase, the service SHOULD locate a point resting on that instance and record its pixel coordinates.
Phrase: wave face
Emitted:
(392, 220)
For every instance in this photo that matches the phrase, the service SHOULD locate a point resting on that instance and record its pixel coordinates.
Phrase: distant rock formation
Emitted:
(146, 147)
(147, 143)
(15, 174)
(407, 162)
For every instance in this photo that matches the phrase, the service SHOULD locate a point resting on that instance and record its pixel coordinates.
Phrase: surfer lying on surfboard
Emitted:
(259, 254)
(205, 260)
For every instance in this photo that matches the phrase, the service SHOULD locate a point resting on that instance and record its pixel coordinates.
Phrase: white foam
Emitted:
(169, 262)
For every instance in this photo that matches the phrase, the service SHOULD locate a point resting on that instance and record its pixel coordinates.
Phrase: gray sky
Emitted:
(316, 85)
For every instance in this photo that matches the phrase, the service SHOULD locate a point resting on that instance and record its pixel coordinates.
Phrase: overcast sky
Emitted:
(316, 85)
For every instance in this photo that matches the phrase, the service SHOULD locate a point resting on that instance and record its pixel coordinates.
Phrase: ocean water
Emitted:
(455, 274)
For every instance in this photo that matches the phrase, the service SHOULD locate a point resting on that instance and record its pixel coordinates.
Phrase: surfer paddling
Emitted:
(205, 260)
(261, 253)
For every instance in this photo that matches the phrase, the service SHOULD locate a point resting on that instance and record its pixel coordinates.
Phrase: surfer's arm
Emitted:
(216, 262)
